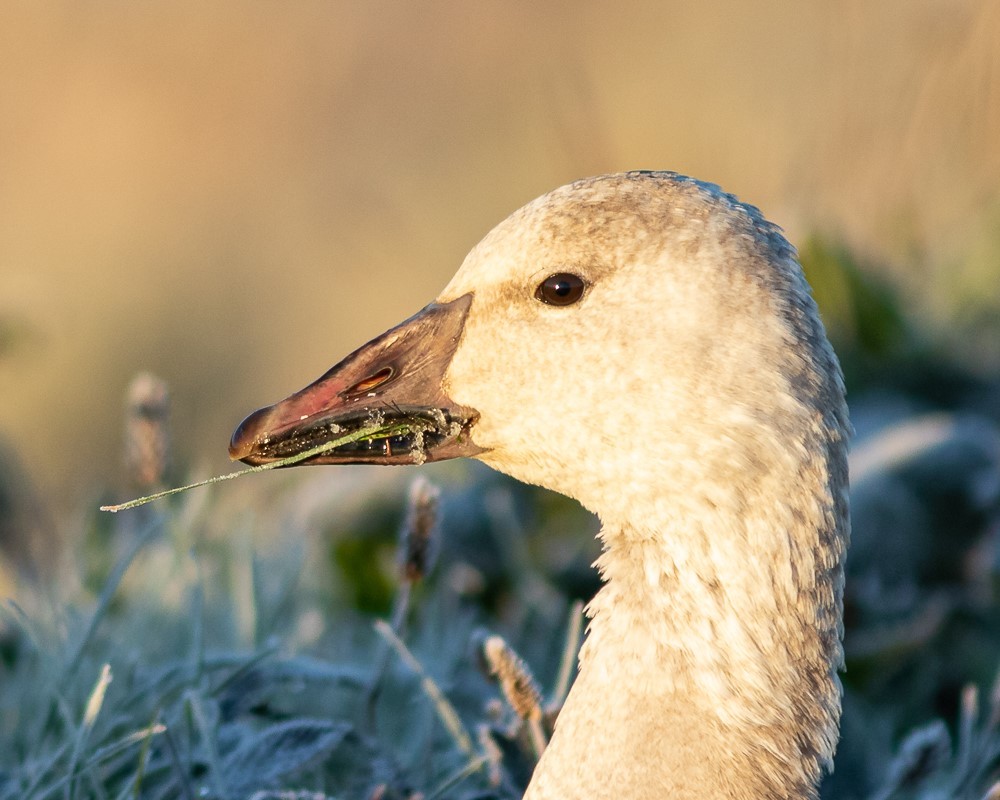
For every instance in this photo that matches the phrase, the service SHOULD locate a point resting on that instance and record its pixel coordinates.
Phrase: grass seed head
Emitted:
(147, 435)
(419, 536)
(515, 679)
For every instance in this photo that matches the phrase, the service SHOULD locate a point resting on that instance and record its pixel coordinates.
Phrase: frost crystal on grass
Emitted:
(417, 450)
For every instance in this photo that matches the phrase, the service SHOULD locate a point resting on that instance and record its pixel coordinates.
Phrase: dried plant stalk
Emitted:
(518, 686)
(147, 435)
(445, 710)
(493, 754)
(571, 649)
(416, 554)
(418, 537)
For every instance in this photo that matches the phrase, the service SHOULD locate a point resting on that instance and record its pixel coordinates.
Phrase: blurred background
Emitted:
(233, 195)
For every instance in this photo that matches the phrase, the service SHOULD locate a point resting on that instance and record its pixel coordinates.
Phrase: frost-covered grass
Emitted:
(196, 667)
(324, 634)
(202, 666)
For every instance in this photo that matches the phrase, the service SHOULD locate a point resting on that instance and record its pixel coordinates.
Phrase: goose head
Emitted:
(648, 345)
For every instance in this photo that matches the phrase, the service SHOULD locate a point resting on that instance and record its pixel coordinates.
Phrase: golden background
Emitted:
(233, 195)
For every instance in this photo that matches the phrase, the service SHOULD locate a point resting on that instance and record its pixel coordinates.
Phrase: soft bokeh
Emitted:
(213, 202)
(232, 195)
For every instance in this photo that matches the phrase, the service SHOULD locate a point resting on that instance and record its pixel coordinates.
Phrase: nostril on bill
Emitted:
(371, 382)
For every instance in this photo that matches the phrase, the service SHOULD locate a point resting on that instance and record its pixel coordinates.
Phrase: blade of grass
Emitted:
(20, 617)
(400, 608)
(94, 704)
(445, 710)
(180, 773)
(107, 593)
(369, 432)
(246, 666)
(570, 649)
(197, 614)
(207, 729)
(257, 601)
(471, 767)
(145, 738)
(42, 769)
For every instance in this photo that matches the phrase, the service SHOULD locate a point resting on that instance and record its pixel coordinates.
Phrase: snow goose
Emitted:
(647, 344)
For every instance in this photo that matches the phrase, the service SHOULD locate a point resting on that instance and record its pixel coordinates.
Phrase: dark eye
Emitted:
(561, 289)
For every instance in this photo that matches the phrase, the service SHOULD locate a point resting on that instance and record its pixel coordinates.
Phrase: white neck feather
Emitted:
(691, 399)
(710, 666)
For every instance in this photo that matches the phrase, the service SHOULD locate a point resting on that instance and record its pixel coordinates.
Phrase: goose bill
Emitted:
(395, 378)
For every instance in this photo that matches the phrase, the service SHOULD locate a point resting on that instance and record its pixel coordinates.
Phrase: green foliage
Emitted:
(365, 559)
(214, 686)
(183, 675)
(177, 659)
(862, 314)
